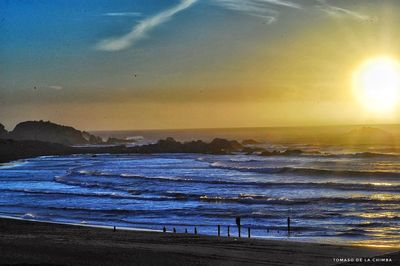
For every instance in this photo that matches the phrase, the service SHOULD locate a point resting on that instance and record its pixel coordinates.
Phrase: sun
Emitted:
(377, 84)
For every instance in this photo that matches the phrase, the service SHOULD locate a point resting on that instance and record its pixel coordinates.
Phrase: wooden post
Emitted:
(164, 229)
(238, 224)
(248, 232)
(219, 230)
(229, 231)
(195, 230)
(288, 225)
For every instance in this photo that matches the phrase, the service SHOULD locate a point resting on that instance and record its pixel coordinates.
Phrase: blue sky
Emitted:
(197, 55)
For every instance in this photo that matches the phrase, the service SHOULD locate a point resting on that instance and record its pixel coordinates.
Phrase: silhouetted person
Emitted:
(164, 229)
(115, 229)
(238, 224)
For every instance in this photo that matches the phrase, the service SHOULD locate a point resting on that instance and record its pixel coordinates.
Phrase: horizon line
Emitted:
(244, 127)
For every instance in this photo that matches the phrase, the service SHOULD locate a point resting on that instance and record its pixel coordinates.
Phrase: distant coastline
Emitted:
(40, 138)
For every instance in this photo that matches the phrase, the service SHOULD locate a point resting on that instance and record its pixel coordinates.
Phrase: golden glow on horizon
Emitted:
(377, 84)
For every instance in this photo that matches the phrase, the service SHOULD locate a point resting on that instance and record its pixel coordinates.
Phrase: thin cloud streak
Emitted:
(338, 12)
(258, 8)
(265, 8)
(55, 87)
(139, 31)
(122, 14)
(335, 11)
(282, 3)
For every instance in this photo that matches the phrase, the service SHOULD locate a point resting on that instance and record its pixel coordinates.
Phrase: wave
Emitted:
(85, 184)
(316, 154)
(309, 171)
(353, 232)
(347, 155)
(373, 224)
(254, 199)
(240, 199)
(110, 213)
(65, 193)
(29, 216)
(363, 155)
(385, 187)
(262, 199)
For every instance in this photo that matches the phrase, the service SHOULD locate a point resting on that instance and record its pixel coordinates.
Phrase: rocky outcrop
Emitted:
(92, 139)
(170, 145)
(54, 133)
(223, 146)
(252, 150)
(116, 141)
(282, 153)
(38, 138)
(12, 150)
(250, 142)
(3, 131)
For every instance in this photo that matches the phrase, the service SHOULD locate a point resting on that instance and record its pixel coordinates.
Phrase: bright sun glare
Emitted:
(377, 84)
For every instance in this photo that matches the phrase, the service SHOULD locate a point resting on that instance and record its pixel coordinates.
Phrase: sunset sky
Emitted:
(150, 64)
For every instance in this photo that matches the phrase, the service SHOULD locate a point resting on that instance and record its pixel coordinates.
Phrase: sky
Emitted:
(158, 64)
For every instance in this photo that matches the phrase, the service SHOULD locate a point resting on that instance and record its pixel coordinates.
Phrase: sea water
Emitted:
(335, 198)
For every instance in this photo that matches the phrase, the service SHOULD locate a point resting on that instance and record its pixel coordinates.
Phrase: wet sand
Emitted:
(30, 243)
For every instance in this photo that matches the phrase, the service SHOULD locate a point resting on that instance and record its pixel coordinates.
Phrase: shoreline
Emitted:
(108, 227)
(37, 242)
(296, 240)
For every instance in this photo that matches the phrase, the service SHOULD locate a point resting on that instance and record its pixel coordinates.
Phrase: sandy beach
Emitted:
(30, 243)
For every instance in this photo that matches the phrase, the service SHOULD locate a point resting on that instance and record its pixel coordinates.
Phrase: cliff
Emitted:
(50, 132)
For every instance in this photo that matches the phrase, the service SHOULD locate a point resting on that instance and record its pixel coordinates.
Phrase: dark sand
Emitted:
(30, 243)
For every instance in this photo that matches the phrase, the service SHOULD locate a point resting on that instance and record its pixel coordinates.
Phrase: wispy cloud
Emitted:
(258, 8)
(335, 11)
(55, 87)
(271, 9)
(140, 30)
(122, 14)
(268, 10)
(281, 3)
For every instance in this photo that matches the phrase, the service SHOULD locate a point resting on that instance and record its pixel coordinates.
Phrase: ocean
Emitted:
(331, 196)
